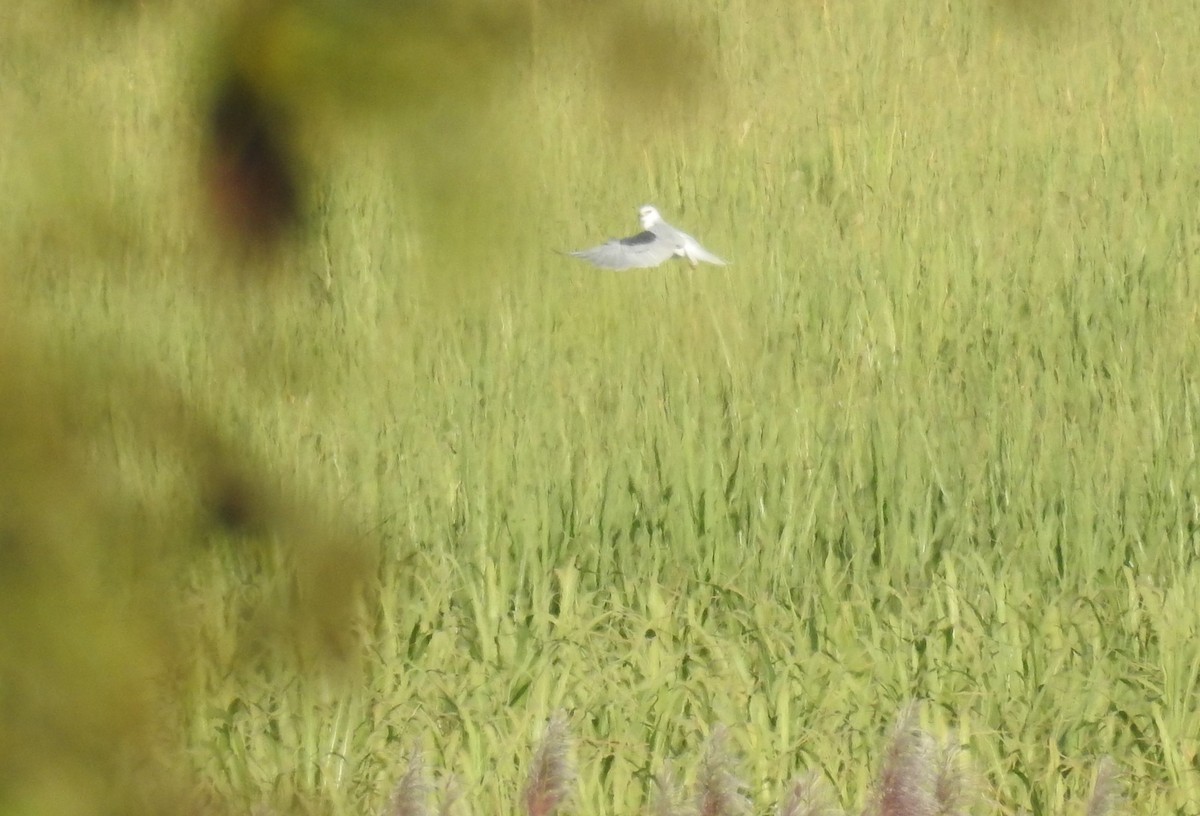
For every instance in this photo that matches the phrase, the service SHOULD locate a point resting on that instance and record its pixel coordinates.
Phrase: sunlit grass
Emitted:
(397, 490)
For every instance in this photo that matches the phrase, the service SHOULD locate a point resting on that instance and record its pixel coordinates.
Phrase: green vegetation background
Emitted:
(269, 520)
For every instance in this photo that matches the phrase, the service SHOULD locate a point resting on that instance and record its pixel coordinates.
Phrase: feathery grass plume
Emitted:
(808, 796)
(410, 797)
(953, 790)
(451, 796)
(1107, 796)
(718, 789)
(667, 796)
(551, 777)
(908, 782)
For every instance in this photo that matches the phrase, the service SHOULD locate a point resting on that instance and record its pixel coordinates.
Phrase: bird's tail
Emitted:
(703, 254)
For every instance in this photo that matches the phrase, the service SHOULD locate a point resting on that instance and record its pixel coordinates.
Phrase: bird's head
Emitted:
(649, 216)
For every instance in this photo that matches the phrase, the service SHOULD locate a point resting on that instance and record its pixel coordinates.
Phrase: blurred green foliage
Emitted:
(311, 448)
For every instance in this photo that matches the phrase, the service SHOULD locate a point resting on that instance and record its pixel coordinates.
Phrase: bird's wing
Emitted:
(640, 251)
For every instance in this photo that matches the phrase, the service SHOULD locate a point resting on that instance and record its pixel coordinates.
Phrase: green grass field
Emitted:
(416, 480)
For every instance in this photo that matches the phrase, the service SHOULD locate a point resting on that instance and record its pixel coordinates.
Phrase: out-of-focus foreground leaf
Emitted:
(93, 633)
(445, 79)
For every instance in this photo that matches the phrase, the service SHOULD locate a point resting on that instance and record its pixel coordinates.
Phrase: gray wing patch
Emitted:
(644, 237)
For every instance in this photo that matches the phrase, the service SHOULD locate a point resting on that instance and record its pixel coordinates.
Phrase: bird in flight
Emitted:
(657, 242)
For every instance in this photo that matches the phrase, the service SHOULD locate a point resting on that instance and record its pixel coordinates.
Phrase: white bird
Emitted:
(657, 242)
